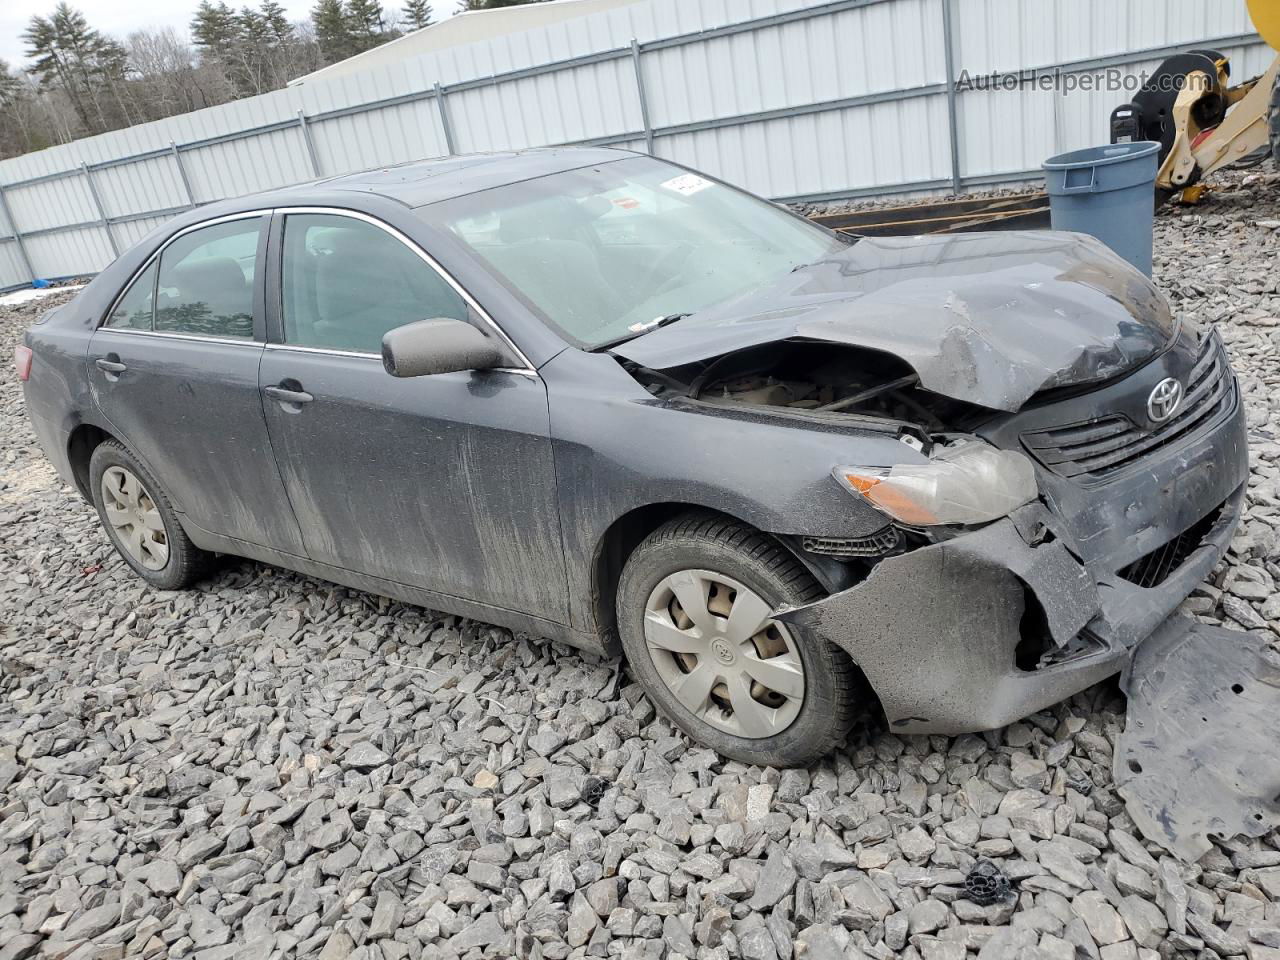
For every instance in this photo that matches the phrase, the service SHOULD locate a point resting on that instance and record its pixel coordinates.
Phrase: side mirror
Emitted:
(439, 346)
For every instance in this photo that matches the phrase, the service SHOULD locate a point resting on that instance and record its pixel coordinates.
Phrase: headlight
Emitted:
(968, 483)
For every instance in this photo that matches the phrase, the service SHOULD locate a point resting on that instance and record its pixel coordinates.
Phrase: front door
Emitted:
(444, 482)
(174, 369)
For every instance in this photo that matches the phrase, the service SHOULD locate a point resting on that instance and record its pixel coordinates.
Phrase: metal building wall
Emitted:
(793, 99)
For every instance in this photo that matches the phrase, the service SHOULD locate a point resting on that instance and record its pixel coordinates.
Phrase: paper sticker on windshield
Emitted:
(687, 184)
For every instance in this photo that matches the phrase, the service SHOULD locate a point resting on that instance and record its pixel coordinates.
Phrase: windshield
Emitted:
(606, 252)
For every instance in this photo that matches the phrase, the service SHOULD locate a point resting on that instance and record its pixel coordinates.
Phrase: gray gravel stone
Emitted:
(928, 916)
(363, 756)
(1104, 923)
(1062, 863)
(777, 877)
(1145, 921)
(93, 922)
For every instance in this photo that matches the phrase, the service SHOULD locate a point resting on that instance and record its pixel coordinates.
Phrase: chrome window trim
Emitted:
(155, 256)
(527, 369)
(177, 335)
(328, 351)
(361, 355)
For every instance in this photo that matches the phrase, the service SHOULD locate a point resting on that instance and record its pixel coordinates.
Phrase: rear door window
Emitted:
(206, 281)
(136, 308)
(346, 282)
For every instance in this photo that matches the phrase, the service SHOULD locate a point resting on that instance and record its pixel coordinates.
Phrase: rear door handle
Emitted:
(285, 395)
(110, 366)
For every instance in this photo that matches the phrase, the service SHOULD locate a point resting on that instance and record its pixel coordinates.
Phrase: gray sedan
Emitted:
(597, 397)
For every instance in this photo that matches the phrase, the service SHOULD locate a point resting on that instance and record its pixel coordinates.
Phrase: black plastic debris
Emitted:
(593, 789)
(1197, 762)
(986, 884)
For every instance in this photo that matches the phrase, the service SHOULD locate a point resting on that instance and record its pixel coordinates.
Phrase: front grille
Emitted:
(1153, 569)
(1100, 448)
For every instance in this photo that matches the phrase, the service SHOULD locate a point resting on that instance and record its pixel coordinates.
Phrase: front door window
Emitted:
(346, 282)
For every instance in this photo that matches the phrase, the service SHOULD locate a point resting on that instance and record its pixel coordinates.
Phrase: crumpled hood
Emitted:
(988, 318)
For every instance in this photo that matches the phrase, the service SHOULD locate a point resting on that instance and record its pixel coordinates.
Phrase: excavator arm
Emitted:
(1198, 152)
(1201, 122)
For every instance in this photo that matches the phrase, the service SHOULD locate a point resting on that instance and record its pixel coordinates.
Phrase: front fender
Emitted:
(618, 450)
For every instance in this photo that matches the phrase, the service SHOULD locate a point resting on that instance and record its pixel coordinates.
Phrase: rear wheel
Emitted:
(141, 522)
(694, 605)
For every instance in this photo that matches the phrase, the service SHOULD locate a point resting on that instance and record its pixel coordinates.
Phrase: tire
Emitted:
(183, 562)
(1273, 121)
(696, 549)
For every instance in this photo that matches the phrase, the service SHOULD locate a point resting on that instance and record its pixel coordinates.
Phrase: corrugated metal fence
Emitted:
(793, 99)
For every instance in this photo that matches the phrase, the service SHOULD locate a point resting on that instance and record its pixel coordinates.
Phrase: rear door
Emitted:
(443, 482)
(174, 369)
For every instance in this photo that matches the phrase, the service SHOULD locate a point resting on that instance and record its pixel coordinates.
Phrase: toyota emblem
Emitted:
(1164, 400)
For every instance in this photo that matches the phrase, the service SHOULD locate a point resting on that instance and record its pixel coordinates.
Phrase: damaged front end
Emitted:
(978, 631)
(816, 383)
(1044, 518)
(982, 626)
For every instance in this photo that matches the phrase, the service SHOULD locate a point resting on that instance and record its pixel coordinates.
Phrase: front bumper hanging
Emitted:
(937, 630)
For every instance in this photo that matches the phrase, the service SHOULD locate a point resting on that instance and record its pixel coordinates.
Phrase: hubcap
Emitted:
(717, 648)
(133, 516)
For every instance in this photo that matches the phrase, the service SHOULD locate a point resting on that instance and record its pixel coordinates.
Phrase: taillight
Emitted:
(22, 359)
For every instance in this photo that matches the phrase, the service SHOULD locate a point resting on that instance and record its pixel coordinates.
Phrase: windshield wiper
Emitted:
(640, 329)
(659, 322)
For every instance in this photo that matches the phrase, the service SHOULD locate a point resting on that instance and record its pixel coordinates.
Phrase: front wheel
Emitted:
(694, 614)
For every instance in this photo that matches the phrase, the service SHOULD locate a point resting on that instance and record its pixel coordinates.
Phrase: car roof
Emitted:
(421, 182)
(414, 184)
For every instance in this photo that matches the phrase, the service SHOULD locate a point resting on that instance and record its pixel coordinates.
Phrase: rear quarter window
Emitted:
(135, 310)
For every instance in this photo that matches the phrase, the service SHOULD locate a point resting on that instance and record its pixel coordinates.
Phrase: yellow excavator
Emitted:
(1202, 122)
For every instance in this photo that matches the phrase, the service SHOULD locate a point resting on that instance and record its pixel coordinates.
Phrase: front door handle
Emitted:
(288, 395)
(108, 365)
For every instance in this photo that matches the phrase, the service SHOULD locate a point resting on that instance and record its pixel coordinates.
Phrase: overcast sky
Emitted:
(121, 17)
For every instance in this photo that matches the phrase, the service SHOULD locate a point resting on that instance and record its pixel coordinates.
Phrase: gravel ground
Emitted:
(273, 766)
(829, 207)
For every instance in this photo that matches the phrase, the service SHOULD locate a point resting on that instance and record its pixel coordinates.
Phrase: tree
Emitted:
(344, 28)
(83, 64)
(251, 62)
(12, 133)
(277, 22)
(82, 82)
(333, 30)
(26, 124)
(417, 14)
(10, 86)
(166, 79)
(215, 30)
(368, 27)
(495, 4)
(254, 48)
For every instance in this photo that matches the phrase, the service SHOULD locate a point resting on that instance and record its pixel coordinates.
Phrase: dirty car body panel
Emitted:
(500, 493)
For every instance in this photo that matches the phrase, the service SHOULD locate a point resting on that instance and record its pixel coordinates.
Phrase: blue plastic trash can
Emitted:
(1108, 192)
